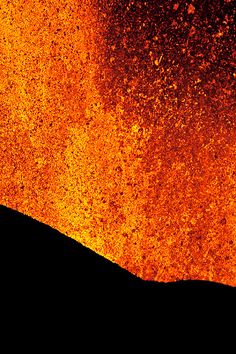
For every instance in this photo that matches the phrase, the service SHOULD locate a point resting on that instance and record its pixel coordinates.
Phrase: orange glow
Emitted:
(118, 129)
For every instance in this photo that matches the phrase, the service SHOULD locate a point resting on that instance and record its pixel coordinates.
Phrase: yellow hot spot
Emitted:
(135, 128)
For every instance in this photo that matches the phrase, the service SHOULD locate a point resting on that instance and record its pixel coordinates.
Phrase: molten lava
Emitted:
(118, 128)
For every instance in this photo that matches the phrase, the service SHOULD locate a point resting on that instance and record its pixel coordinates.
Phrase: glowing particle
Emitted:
(176, 6)
(135, 128)
(219, 34)
(191, 9)
(158, 61)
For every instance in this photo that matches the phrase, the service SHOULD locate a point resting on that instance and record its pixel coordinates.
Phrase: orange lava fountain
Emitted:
(117, 128)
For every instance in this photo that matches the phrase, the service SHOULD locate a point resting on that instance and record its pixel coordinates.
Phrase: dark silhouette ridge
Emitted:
(37, 257)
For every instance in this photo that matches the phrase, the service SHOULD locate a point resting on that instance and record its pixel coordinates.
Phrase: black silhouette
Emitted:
(38, 259)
